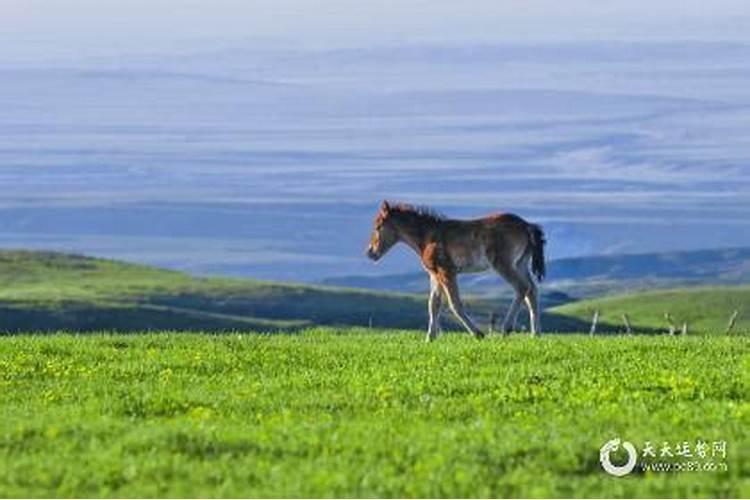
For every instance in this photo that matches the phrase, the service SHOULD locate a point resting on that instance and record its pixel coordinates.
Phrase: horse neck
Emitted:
(414, 233)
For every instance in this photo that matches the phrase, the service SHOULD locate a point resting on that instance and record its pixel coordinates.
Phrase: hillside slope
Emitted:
(45, 291)
(705, 309)
(52, 291)
(49, 291)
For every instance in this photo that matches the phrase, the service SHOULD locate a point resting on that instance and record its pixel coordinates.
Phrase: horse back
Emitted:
(475, 245)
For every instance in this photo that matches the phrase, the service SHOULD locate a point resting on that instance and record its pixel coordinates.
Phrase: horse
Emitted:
(503, 242)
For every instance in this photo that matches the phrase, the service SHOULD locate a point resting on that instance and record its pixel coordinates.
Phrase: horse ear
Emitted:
(385, 207)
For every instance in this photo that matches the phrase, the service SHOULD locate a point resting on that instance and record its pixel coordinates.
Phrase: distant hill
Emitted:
(582, 277)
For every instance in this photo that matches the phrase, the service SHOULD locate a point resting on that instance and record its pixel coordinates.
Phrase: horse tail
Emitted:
(537, 242)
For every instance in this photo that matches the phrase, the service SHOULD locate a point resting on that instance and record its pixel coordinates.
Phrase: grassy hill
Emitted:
(52, 291)
(706, 309)
(49, 291)
(46, 291)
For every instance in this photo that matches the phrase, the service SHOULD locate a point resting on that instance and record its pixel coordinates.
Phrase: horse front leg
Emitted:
(435, 307)
(450, 287)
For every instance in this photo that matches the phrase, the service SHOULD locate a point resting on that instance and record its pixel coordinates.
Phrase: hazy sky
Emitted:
(48, 29)
(146, 129)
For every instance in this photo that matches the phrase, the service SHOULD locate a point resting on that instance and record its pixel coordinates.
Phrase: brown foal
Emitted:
(506, 243)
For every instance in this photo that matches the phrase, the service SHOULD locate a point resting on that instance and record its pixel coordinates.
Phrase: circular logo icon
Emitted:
(614, 445)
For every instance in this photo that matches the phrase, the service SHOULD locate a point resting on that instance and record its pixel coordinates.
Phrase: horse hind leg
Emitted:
(526, 287)
(532, 302)
(531, 297)
(511, 275)
(509, 322)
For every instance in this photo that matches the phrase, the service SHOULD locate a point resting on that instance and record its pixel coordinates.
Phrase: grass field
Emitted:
(356, 413)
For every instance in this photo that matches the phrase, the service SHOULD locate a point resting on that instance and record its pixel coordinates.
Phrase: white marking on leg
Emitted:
(532, 315)
(532, 302)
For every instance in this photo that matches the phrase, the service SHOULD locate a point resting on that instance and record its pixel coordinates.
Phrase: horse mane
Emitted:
(417, 213)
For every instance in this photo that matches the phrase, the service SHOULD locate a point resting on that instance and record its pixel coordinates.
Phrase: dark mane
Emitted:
(421, 213)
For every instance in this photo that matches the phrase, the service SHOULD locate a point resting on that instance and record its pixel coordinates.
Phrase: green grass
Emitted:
(706, 309)
(328, 413)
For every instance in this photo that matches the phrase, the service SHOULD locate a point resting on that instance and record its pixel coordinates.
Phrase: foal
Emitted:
(446, 247)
